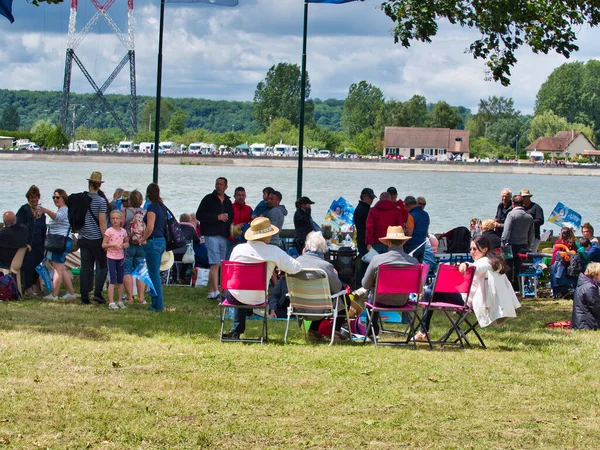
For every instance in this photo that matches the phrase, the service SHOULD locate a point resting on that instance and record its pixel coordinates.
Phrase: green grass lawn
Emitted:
(87, 377)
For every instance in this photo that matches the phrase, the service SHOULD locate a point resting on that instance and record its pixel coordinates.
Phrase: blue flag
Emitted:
(339, 2)
(6, 9)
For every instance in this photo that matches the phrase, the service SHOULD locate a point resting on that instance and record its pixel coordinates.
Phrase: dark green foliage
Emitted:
(363, 106)
(571, 91)
(443, 116)
(10, 119)
(503, 26)
(278, 96)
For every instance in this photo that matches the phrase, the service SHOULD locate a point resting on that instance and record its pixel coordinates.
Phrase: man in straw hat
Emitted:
(90, 243)
(394, 239)
(257, 249)
(535, 211)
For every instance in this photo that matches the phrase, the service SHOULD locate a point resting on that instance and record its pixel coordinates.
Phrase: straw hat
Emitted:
(394, 233)
(525, 193)
(259, 228)
(166, 260)
(96, 177)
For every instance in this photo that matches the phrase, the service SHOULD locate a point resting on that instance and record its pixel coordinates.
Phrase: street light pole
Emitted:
(516, 148)
(270, 131)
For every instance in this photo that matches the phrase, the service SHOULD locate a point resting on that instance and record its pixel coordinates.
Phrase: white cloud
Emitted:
(222, 53)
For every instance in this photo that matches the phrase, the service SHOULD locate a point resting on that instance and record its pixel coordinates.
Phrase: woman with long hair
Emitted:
(492, 296)
(154, 242)
(564, 243)
(59, 224)
(34, 219)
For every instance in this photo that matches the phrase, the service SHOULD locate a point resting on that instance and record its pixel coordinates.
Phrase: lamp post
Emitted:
(232, 127)
(516, 148)
(270, 131)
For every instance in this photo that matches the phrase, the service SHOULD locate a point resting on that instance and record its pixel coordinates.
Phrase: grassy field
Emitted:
(88, 377)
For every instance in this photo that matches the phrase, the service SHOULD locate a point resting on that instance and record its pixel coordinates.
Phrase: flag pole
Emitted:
(302, 95)
(158, 91)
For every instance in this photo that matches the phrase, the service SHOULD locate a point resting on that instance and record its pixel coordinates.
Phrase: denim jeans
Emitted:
(445, 297)
(92, 254)
(239, 314)
(154, 249)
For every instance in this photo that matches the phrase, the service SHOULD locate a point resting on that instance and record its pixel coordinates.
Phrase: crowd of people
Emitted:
(118, 235)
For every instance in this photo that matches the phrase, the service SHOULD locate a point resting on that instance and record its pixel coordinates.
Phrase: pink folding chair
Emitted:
(397, 280)
(449, 280)
(244, 276)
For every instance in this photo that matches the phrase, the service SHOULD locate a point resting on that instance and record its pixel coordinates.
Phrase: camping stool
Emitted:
(529, 283)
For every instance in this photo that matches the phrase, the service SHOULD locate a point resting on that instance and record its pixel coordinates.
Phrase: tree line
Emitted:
(567, 100)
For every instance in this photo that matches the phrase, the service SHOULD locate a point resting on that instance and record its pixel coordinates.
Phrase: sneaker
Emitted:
(113, 305)
(213, 295)
(313, 336)
(85, 302)
(68, 296)
(121, 305)
(231, 335)
(51, 297)
(99, 299)
(339, 337)
(421, 337)
(144, 303)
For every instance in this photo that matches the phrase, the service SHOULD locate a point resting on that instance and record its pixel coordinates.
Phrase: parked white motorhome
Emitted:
(167, 147)
(195, 148)
(324, 154)
(89, 146)
(258, 149)
(280, 149)
(125, 147)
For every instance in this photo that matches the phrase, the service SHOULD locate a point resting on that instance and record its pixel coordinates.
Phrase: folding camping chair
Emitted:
(449, 280)
(244, 276)
(399, 280)
(310, 296)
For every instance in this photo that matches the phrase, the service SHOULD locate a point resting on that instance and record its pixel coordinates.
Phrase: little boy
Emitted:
(115, 240)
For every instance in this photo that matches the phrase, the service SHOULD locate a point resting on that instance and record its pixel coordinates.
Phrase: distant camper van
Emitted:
(195, 147)
(167, 147)
(324, 154)
(280, 149)
(148, 147)
(258, 149)
(89, 146)
(125, 146)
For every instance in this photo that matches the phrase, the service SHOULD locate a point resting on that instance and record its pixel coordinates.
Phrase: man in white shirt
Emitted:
(255, 250)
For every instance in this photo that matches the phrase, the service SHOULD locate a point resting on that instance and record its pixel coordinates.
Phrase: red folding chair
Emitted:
(449, 280)
(397, 280)
(244, 276)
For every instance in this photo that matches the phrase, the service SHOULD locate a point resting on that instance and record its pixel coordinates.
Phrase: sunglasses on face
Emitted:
(56, 197)
(422, 204)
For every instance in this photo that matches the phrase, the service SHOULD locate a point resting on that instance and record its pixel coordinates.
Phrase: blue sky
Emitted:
(222, 53)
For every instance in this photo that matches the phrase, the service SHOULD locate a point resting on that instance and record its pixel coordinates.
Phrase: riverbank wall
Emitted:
(309, 163)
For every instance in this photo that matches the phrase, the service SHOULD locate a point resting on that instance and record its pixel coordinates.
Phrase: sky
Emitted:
(221, 53)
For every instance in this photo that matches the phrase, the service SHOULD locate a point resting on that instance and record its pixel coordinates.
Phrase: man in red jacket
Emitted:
(242, 214)
(398, 201)
(381, 216)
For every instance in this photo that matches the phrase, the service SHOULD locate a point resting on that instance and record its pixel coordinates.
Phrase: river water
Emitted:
(452, 198)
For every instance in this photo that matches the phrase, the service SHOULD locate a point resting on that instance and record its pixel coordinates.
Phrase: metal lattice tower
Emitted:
(74, 39)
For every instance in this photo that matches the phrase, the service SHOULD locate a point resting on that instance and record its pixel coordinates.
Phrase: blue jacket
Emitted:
(594, 253)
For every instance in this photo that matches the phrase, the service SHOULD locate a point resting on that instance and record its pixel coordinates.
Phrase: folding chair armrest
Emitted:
(339, 294)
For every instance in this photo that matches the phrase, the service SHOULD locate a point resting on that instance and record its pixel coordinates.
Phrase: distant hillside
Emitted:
(212, 115)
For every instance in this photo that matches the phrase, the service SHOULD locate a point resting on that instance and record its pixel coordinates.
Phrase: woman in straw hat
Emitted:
(257, 249)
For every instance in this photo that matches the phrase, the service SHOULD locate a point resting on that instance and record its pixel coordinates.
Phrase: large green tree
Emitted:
(10, 119)
(444, 116)
(503, 26)
(278, 95)
(363, 106)
(572, 91)
(148, 114)
(548, 124)
(491, 110)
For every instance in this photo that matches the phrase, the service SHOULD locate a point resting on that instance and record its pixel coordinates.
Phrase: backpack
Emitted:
(136, 228)
(8, 288)
(79, 204)
(576, 265)
(173, 234)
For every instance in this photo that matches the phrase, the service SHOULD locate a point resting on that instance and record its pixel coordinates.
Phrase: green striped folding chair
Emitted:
(310, 298)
